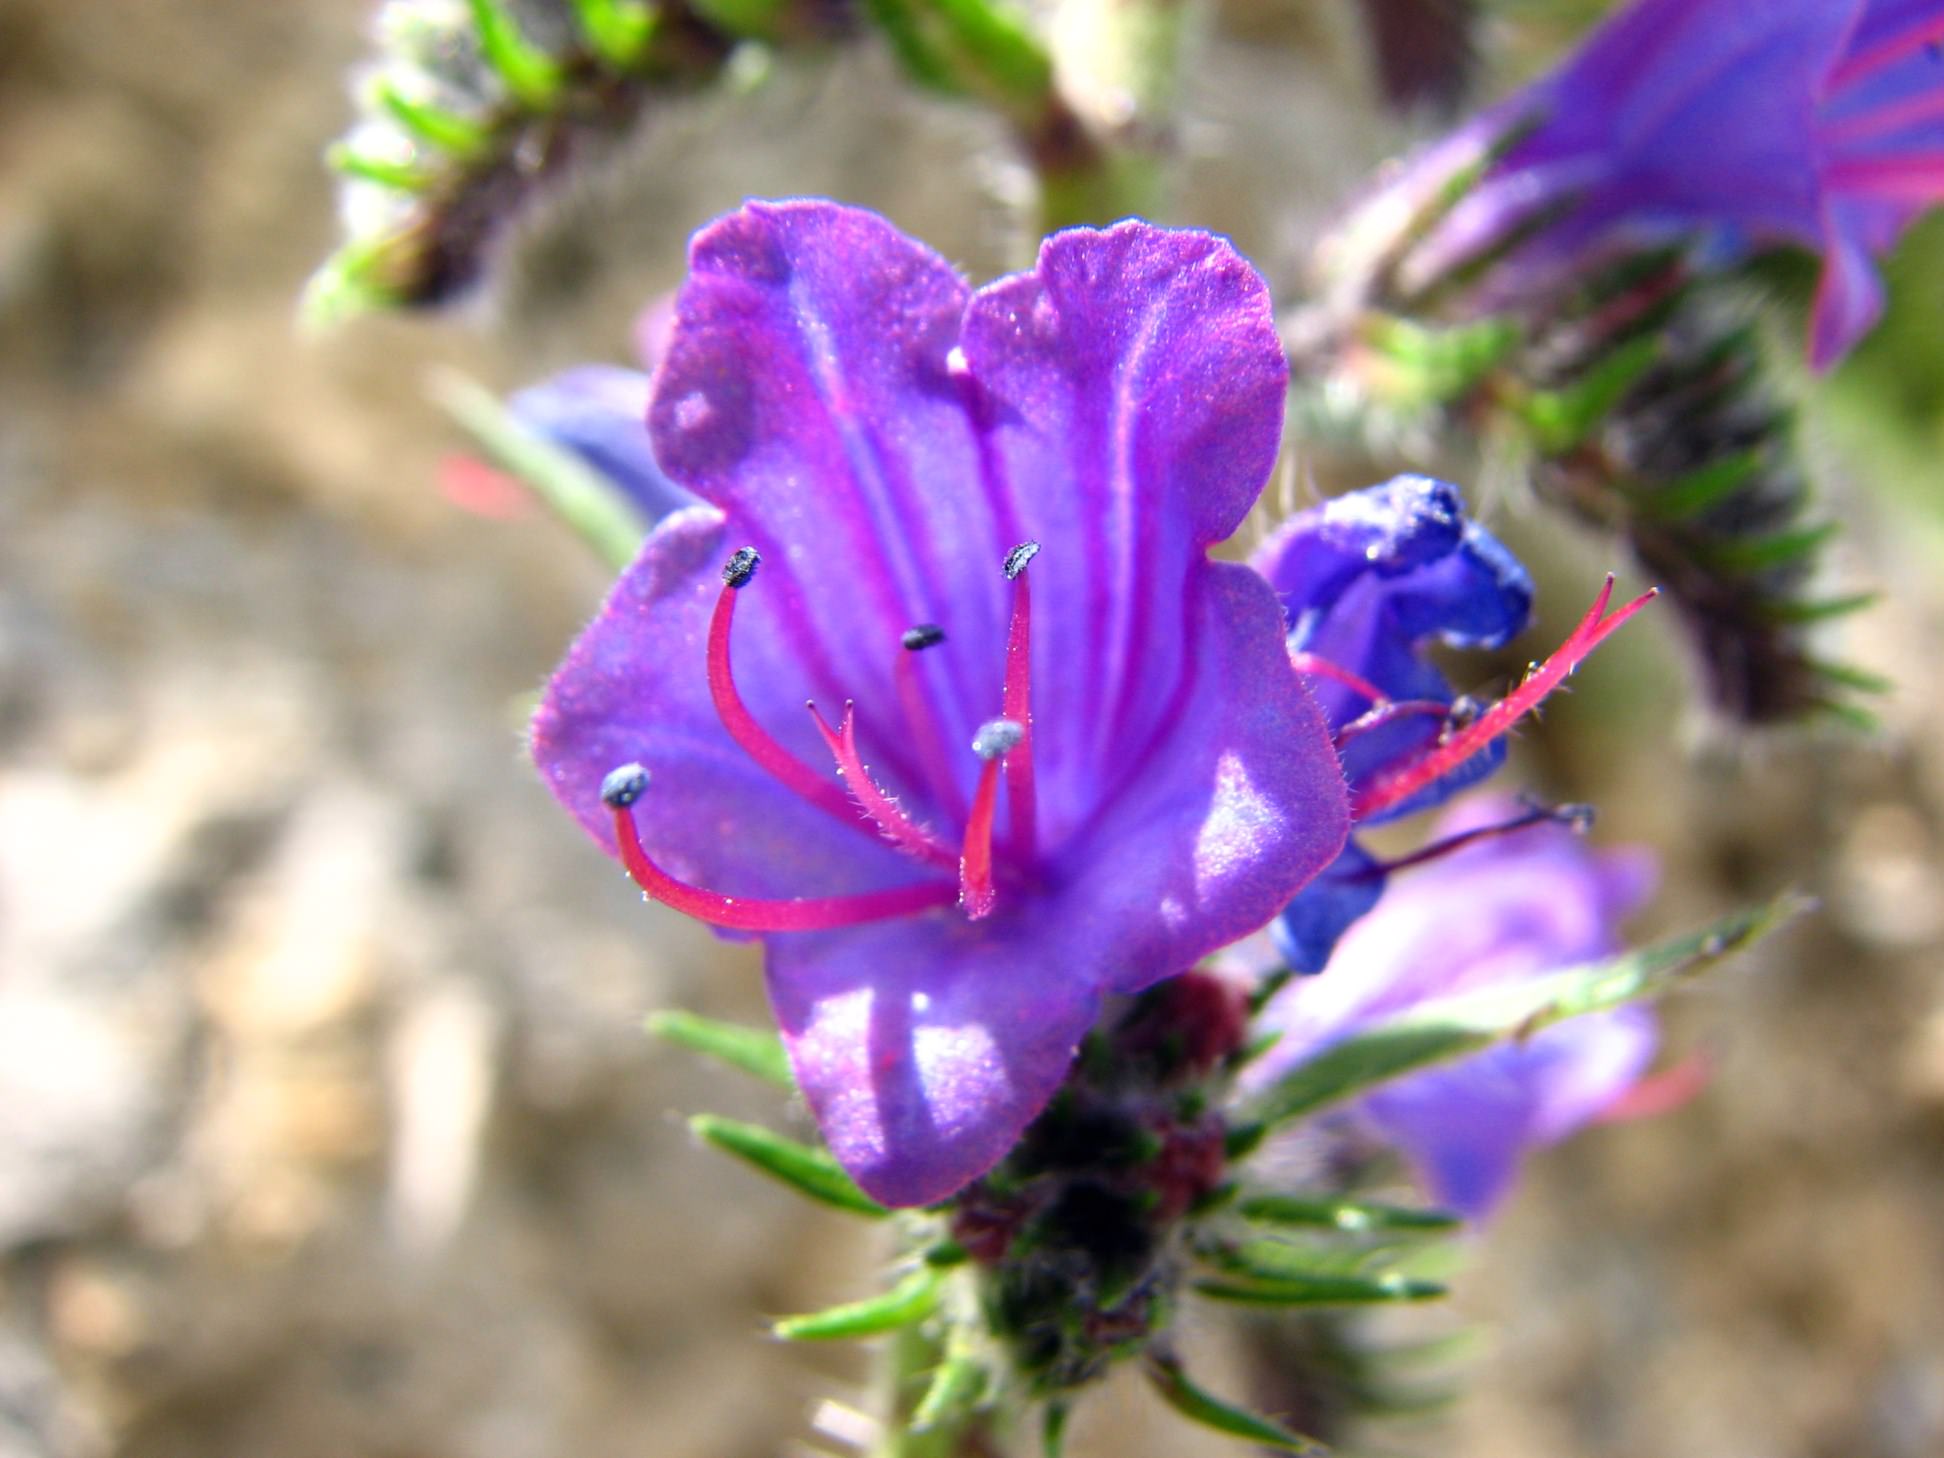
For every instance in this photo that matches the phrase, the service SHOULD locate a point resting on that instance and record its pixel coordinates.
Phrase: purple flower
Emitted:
(1503, 909)
(1818, 123)
(979, 522)
(1368, 581)
(600, 413)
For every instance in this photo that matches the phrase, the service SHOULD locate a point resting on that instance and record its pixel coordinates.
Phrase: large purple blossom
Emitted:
(1501, 910)
(1818, 123)
(882, 439)
(1368, 582)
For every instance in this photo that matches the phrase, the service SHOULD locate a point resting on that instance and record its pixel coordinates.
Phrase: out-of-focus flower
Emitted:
(600, 413)
(1501, 910)
(1368, 581)
(1817, 123)
(881, 453)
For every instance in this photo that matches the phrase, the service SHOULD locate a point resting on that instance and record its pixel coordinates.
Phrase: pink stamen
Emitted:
(1887, 53)
(758, 914)
(1577, 817)
(1312, 666)
(755, 740)
(977, 894)
(1401, 783)
(921, 719)
(1389, 711)
(1018, 707)
(1917, 178)
(1886, 120)
(898, 828)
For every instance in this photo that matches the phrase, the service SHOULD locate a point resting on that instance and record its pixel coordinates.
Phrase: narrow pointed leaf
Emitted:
(810, 1171)
(434, 125)
(618, 30)
(404, 176)
(910, 1301)
(1053, 1430)
(1819, 609)
(1694, 493)
(754, 1051)
(1561, 419)
(530, 73)
(955, 1389)
(1199, 1406)
(1779, 549)
(1449, 1028)
(592, 507)
(1348, 1215)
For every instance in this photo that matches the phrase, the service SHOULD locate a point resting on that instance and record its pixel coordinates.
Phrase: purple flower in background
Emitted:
(1503, 909)
(600, 413)
(1368, 581)
(1818, 123)
(972, 528)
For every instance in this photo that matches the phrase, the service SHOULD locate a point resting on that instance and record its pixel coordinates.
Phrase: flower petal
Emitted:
(1132, 387)
(1367, 580)
(924, 1048)
(634, 687)
(600, 413)
(807, 393)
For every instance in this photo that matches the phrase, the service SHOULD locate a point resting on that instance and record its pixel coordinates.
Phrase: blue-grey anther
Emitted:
(924, 635)
(741, 567)
(1018, 557)
(996, 736)
(624, 786)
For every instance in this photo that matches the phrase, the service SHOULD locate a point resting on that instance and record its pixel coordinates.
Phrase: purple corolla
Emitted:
(1502, 909)
(1368, 581)
(972, 529)
(1818, 123)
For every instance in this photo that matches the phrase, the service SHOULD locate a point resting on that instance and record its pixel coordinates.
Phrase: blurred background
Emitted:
(327, 1128)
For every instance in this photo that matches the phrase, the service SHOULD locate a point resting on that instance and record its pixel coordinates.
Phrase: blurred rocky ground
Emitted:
(326, 1126)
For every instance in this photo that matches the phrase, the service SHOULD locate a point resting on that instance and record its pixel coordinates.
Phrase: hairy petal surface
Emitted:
(924, 1047)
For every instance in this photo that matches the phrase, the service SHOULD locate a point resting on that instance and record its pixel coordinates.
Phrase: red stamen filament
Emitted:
(755, 740)
(758, 914)
(1312, 666)
(976, 892)
(1406, 780)
(911, 838)
(1918, 177)
(1018, 702)
(1575, 816)
(923, 724)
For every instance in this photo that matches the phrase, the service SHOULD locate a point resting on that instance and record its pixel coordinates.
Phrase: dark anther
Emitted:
(925, 635)
(741, 567)
(996, 736)
(1018, 557)
(623, 786)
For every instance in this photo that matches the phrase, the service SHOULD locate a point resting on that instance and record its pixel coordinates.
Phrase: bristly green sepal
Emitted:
(809, 1171)
(1198, 1405)
(1350, 1216)
(1439, 1031)
(906, 1304)
(754, 1051)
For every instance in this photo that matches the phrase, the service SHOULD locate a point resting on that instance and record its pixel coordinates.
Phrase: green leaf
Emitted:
(1699, 489)
(1321, 1291)
(905, 1304)
(1439, 365)
(957, 1385)
(748, 19)
(533, 76)
(1561, 419)
(1818, 610)
(809, 1171)
(1439, 1031)
(998, 41)
(618, 30)
(1200, 1406)
(754, 1051)
(385, 171)
(1053, 1430)
(1778, 549)
(1346, 1215)
(590, 505)
(460, 136)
